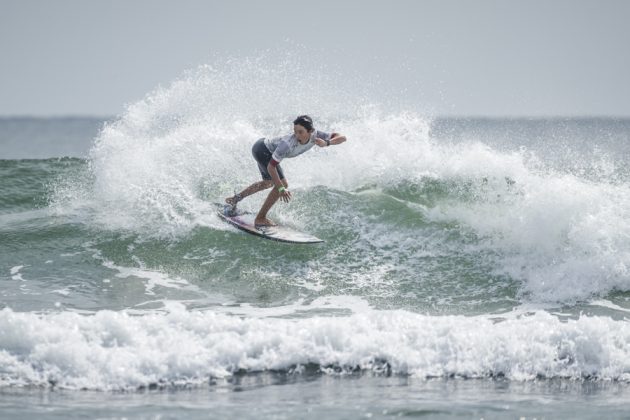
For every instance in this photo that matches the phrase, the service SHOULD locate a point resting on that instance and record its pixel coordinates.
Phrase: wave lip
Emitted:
(113, 350)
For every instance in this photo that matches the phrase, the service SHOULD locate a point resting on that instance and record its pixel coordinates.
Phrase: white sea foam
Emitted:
(114, 350)
(566, 238)
(15, 272)
(153, 278)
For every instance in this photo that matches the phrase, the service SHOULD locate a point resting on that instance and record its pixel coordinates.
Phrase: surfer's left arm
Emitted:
(335, 138)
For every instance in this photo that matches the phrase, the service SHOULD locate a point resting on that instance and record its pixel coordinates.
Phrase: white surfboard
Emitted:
(245, 221)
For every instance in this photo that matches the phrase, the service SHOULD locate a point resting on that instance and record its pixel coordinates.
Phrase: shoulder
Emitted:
(284, 144)
(288, 139)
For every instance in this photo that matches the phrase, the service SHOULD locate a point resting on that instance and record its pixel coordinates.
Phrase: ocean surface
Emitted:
(473, 267)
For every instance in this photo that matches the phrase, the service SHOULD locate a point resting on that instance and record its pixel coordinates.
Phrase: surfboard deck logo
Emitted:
(244, 221)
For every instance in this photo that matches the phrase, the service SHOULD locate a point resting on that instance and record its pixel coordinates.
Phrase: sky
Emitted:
(452, 57)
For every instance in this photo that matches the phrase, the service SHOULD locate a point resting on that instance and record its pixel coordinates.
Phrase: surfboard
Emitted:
(244, 221)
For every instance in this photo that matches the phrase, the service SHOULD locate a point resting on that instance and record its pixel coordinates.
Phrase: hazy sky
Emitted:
(468, 57)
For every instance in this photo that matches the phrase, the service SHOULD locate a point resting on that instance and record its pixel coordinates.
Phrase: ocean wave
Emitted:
(156, 171)
(115, 350)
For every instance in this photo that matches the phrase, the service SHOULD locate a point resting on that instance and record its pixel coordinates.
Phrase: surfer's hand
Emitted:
(321, 142)
(285, 196)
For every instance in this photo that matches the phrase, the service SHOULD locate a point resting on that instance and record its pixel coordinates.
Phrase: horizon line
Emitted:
(436, 116)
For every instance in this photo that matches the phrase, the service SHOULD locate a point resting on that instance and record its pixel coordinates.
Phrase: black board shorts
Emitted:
(263, 157)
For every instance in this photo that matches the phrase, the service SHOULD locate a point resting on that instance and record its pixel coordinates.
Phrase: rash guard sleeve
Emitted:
(281, 152)
(323, 135)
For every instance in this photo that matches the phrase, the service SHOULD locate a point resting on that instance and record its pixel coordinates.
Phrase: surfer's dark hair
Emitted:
(305, 121)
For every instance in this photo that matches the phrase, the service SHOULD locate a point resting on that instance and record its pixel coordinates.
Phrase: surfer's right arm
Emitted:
(329, 139)
(285, 195)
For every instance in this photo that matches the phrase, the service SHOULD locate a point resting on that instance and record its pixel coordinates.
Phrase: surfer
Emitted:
(270, 152)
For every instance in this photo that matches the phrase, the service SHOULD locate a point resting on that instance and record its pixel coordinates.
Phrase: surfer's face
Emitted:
(301, 133)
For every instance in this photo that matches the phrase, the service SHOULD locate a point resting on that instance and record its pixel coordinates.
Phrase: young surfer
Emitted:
(270, 152)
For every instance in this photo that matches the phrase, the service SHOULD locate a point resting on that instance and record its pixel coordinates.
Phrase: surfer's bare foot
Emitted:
(263, 222)
(233, 200)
